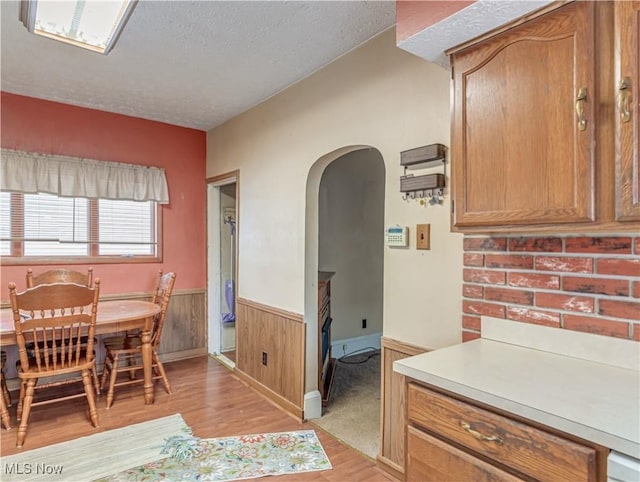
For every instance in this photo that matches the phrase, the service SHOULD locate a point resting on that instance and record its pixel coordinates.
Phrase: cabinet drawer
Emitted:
(528, 450)
(430, 459)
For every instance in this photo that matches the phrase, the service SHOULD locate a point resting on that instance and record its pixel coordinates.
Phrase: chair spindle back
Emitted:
(53, 319)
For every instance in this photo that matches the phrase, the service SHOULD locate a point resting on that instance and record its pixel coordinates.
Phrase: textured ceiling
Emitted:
(194, 64)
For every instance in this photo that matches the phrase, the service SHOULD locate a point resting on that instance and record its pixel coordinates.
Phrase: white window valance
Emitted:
(30, 172)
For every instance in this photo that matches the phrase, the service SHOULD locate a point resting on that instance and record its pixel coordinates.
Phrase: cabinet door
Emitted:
(627, 40)
(431, 459)
(520, 155)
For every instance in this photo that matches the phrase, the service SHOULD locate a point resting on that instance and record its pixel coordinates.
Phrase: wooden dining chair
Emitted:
(124, 352)
(64, 275)
(54, 317)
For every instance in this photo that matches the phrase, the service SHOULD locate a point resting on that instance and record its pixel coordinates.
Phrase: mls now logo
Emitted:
(29, 468)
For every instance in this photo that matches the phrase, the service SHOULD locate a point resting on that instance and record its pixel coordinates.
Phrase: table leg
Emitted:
(147, 362)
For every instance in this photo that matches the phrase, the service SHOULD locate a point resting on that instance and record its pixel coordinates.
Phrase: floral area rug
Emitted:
(232, 458)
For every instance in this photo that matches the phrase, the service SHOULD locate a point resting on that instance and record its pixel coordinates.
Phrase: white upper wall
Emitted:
(376, 96)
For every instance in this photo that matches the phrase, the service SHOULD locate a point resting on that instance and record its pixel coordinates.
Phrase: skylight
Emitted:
(91, 24)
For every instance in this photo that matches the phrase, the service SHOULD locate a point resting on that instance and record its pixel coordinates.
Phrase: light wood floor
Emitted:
(212, 401)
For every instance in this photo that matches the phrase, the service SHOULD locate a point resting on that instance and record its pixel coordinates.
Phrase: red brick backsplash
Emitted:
(636, 290)
(484, 276)
(581, 283)
(630, 267)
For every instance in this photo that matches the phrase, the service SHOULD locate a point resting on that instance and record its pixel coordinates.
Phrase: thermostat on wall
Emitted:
(397, 236)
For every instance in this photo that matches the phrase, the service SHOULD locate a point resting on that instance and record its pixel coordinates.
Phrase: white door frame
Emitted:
(214, 286)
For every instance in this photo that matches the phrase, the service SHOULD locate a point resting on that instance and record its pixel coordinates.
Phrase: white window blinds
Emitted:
(55, 226)
(5, 224)
(126, 228)
(29, 172)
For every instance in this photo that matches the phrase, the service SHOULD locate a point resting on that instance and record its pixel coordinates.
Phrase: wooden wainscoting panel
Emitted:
(281, 336)
(246, 356)
(292, 359)
(185, 327)
(293, 410)
(393, 409)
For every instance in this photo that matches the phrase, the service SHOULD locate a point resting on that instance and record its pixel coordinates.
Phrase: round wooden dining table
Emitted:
(112, 316)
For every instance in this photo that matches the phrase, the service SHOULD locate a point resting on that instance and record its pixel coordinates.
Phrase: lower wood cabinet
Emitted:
(391, 457)
(432, 459)
(452, 439)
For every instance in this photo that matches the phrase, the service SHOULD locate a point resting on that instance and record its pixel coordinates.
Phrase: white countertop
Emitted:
(589, 399)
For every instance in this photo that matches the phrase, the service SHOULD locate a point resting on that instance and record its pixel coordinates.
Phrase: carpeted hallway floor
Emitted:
(353, 412)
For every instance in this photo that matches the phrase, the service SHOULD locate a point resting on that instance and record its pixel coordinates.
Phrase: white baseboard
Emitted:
(340, 348)
(312, 405)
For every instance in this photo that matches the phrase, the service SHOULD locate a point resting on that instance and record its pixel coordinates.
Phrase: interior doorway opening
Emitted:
(227, 271)
(344, 241)
(222, 256)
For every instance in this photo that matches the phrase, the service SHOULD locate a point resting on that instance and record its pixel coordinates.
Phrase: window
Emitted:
(44, 227)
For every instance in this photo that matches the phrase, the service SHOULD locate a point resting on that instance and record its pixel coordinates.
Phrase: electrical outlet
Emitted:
(264, 358)
(364, 323)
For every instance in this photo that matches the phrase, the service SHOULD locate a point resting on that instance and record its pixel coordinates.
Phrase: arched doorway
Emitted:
(344, 240)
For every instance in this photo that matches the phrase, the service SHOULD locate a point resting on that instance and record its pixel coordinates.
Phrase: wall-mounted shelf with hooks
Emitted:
(425, 186)
(425, 156)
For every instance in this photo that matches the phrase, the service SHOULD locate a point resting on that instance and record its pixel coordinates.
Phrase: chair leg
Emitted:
(23, 389)
(132, 372)
(106, 369)
(96, 382)
(91, 398)
(4, 414)
(26, 409)
(163, 374)
(6, 395)
(112, 379)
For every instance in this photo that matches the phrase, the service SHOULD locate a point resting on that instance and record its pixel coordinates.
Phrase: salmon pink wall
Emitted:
(37, 125)
(414, 16)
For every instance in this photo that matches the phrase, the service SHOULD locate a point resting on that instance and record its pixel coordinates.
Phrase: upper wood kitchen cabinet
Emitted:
(532, 124)
(627, 50)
